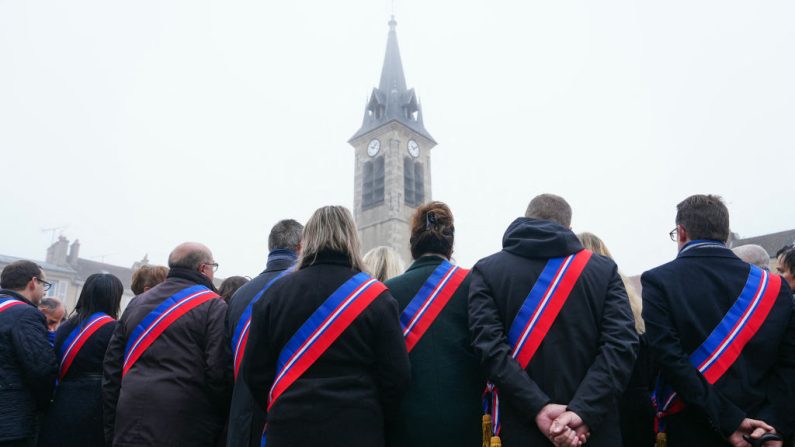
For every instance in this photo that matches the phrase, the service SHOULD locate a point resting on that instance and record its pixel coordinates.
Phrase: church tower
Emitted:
(393, 158)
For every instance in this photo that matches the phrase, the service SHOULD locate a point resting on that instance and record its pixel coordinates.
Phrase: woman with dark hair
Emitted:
(443, 404)
(75, 416)
(230, 286)
(325, 355)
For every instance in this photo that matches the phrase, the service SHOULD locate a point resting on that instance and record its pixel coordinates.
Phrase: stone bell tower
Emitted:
(393, 158)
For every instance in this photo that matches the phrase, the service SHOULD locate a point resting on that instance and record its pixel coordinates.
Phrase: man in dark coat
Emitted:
(581, 367)
(177, 393)
(683, 302)
(246, 418)
(27, 361)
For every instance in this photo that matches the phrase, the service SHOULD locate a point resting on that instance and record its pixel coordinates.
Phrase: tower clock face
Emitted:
(414, 148)
(373, 147)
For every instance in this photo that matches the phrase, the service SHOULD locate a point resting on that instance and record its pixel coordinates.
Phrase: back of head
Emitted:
(550, 207)
(230, 286)
(331, 228)
(17, 275)
(432, 230)
(787, 261)
(704, 217)
(101, 293)
(383, 263)
(753, 254)
(146, 277)
(592, 242)
(50, 304)
(285, 235)
(189, 255)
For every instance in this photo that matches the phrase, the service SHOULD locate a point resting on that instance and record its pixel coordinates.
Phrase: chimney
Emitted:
(56, 254)
(74, 252)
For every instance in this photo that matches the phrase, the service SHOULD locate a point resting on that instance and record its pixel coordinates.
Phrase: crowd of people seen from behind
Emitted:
(544, 342)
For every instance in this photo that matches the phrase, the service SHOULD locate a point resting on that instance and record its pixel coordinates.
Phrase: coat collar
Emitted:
(16, 296)
(280, 260)
(192, 276)
(705, 248)
(426, 261)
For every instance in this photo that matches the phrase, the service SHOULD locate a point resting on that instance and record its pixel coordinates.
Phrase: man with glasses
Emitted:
(723, 335)
(27, 361)
(171, 349)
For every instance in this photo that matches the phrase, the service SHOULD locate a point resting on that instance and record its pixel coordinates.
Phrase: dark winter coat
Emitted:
(344, 398)
(246, 418)
(27, 368)
(586, 358)
(75, 416)
(177, 393)
(635, 406)
(683, 301)
(443, 403)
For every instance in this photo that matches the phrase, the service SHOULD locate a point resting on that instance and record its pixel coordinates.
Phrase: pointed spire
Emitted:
(392, 77)
(392, 100)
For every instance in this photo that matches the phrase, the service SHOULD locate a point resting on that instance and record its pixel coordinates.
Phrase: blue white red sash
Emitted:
(161, 318)
(433, 296)
(536, 316)
(8, 302)
(321, 330)
(240, 336)
(726, 342)
(77, 338)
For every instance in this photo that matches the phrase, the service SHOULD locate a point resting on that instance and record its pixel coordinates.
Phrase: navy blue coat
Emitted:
(246, 418)
(27, 368)
(683, 301)
(75, 416)
(587, 356)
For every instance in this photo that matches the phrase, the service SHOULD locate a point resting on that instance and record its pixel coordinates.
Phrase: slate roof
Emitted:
(86, 268)
(392, 101)
(770, 242)
(47, 266)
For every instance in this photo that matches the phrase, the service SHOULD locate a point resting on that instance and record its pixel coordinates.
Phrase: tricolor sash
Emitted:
(164, 315)
(8, 302)
(321, 330)
(726, 342)
(535, 318)
(77, 338)
(240, 336)
(433, 296)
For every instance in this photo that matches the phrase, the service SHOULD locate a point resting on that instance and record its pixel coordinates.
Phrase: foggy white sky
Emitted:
(143, 124)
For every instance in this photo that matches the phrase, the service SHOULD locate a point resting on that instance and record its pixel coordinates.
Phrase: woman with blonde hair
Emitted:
(325, 354)
(637, 413)
(384, 262)
(443, 404)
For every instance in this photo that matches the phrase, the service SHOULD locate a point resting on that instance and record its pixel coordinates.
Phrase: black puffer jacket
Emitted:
(27, 368)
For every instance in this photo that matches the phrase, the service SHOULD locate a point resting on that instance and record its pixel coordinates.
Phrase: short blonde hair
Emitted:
(383, 263)
(592, 242)
(331, 228)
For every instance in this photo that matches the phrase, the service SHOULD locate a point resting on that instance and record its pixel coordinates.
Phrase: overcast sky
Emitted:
(141, 124)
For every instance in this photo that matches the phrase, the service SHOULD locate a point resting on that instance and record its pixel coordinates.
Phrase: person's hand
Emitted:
(755, 429)
(569, 430)
(547, 415)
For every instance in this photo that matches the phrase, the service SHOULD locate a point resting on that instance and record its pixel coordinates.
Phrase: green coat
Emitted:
(443, 404)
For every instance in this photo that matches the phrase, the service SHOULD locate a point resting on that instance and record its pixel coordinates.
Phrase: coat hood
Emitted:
(544, 239)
